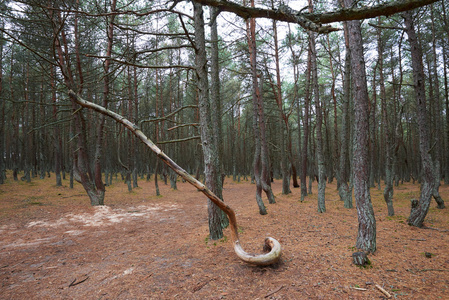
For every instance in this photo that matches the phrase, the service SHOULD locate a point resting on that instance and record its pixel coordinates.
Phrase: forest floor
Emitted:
(54, 245)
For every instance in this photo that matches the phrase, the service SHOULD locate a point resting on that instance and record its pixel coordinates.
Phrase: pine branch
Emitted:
(313, 21)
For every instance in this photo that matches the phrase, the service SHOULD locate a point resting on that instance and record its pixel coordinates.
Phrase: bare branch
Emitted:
(169, 115)
(128, 63)
(385, 27)
(180, 140)
(183, 125)
(313, 21)
(271, 244)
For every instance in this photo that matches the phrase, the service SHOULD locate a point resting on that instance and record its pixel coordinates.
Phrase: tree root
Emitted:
(271, 245)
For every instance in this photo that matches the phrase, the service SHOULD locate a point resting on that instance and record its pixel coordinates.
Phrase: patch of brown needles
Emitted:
(55, 245)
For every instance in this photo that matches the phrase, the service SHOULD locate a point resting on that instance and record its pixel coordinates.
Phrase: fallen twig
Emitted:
(427, 270)
(148, 276)
(74, 282)
(433, 228)
(387, 294)
(200, 285)
(275, 291)
(359, 289)
(420, 240)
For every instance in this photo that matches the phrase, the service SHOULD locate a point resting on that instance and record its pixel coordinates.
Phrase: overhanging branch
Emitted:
(313, 21)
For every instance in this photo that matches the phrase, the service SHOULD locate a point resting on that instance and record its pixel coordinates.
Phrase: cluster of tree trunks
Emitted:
(255, 141)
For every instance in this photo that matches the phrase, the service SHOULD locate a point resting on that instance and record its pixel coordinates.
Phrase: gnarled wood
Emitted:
(271, 244)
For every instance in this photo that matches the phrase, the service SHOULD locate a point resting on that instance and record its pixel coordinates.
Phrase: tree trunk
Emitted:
(335, 152)
(366, 238)
(446, 89)
(419, 211)
(264, 155)
(437, 109)
(2, 112)
(91, 181)
(57, 137)
(319, 121)
(285, 142)
(344, 191)
(207, 137)
(156, 174)
(305, 143)
(389, 170)
(216, 113)
(257, 117)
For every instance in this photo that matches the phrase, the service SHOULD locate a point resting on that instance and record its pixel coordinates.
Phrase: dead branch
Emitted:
(169, 115)
(433, 228)
(426, 270)
(183, 125)
(74, 282)
(271, 244)
(387, 294)
(275, 291)
(180, 140)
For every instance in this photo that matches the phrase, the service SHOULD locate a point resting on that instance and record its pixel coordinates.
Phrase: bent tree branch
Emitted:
(271, 244)
(313, 21)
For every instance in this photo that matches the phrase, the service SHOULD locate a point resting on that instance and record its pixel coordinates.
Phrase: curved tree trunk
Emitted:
(271, 244)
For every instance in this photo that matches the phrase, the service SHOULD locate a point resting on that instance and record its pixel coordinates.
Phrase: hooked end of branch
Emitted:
(271, 245)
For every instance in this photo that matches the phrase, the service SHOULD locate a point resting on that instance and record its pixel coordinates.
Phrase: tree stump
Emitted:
(360, 259)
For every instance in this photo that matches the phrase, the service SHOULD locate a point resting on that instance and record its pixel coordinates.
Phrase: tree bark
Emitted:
(389, 171)
(260, 159)
(210, 152)
(313, 21)
(91, 181)
(305, 143)
(366, 238)
(57, 137)
(319, 121)
(344, 191)
(419, 211)
(285, 141)
(216, 113)
(437, 109)
(2, 112)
